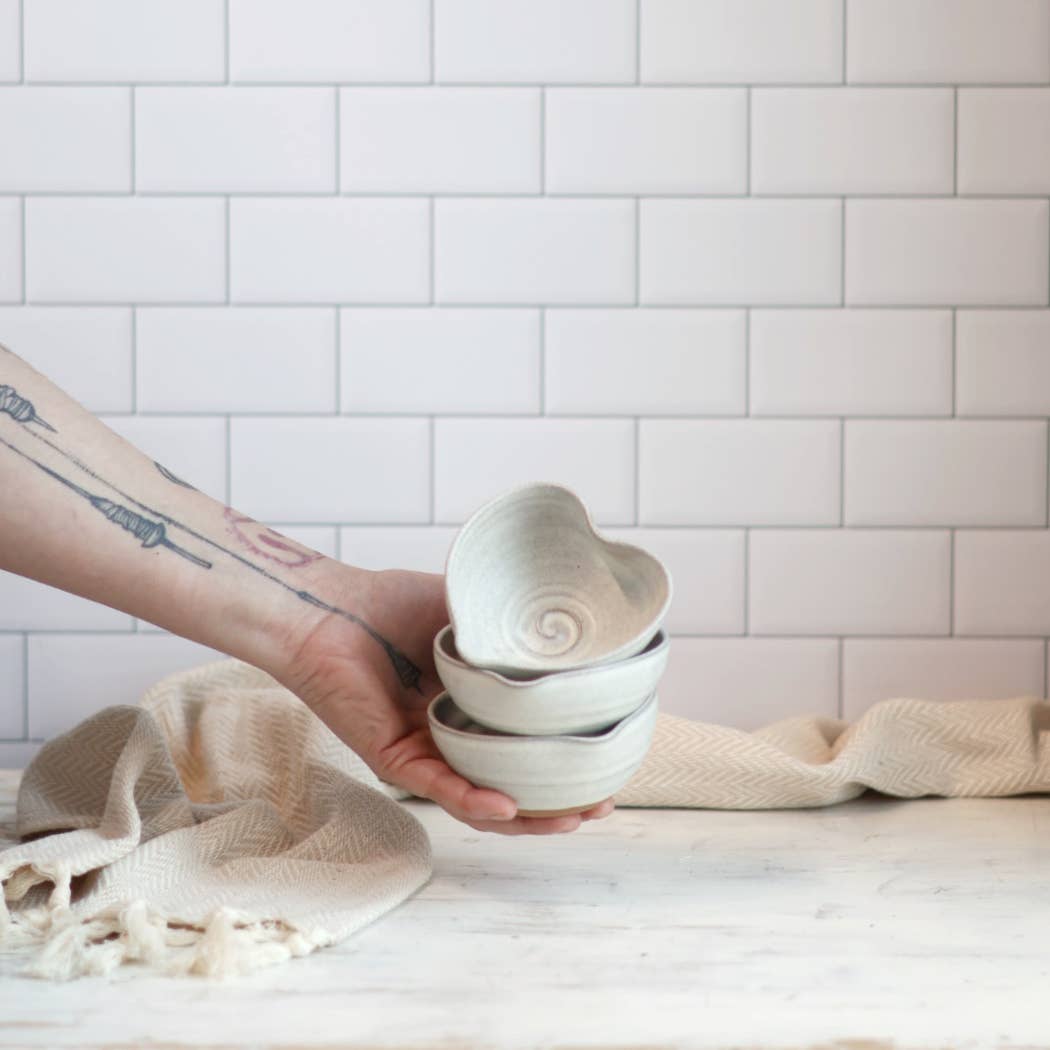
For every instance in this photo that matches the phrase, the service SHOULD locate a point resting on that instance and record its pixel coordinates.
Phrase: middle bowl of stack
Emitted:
(553, 653)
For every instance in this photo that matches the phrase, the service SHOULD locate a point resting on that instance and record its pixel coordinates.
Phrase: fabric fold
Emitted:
(220, 826)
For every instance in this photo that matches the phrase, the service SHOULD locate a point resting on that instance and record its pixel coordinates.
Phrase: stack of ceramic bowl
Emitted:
(553, 654)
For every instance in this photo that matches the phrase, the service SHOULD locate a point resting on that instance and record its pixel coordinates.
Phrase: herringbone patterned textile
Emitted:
(220, 825)
(907, 748)
(217, 827)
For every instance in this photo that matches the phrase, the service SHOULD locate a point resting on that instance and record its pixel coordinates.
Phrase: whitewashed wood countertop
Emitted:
(876, 924)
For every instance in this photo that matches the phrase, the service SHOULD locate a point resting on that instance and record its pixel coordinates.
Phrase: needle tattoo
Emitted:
(149, 533)
(154, 533)
(20, 409)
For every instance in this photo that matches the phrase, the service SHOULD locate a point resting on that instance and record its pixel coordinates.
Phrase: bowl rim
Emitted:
(519, 740)
(537, 486)
(656, 647)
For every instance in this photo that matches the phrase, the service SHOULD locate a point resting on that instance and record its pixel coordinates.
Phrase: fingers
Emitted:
(482, 808)
(545, 825)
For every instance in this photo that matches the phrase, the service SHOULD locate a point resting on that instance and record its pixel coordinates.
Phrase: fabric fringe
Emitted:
(67, 945)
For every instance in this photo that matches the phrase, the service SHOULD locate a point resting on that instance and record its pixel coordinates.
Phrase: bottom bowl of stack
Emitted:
(545, 775)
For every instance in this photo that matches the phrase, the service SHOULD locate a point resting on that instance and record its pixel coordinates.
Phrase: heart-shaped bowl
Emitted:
(533, 587)
(545, 775)
(579, 701)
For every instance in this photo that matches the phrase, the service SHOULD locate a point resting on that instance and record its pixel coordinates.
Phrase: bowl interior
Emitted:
(444, 711)
(532, 586)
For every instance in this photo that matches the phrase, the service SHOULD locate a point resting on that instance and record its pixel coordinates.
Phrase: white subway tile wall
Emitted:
(446, 360)
(666, 140)
(1003, 362)
(1004, 140)
(234, 140)
(760, 252)
(328, 41)
(947, 41)
(813, 141)
(12, 691)
(535, 41)
(86, 350)
(10, 40)
(124, 249)
(65, 139)
(12, 221)
(125, 41)
(766, 281)
(439, 140)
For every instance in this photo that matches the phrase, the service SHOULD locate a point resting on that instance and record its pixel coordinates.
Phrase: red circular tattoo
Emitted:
(267, 543)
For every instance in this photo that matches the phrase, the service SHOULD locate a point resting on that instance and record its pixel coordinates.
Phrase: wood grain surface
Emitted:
(873, 925)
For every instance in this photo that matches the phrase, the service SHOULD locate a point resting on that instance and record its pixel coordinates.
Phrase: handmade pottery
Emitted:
(576, 701)
(532, 586)
(543, 774)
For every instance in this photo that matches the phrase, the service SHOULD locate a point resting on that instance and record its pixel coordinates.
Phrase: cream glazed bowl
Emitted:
(533, 587)
(577, 701)
(545, 775)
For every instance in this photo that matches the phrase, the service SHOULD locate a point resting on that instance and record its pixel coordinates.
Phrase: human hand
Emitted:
(347, 676)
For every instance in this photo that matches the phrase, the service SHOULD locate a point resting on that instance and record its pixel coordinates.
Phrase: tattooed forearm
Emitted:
(153, 533)
(149, 533)
(173, 477)
(19, 409)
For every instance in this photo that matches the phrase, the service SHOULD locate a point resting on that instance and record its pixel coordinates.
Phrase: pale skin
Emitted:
(85, 511)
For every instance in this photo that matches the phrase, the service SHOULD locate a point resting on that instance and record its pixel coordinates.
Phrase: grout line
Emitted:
(338, 544)
(697, 417)
(637, 471)
(951, 582)
(748, 141)
(625, 194)
(21, 41)
(132, 114)
(134, 361)
(432, 246)
(845, 42)
(226, 41)
(25, 267)
(533, 304)
(842, 254)
(842, 471)
(637, 41)
(747, 362)
(338, 141)
(747, 581)
(229, 460)
(954, 364)
(337, 322)
(654, 86)
(637, 251)
(226, 245)
(955, 141)
(432, 431)
(25, 685)
(543, 361)
(543, 140)
(841, 706)
(433, 44)
(1046, 476)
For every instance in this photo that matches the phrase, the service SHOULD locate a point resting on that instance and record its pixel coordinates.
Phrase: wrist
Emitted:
(327, 593)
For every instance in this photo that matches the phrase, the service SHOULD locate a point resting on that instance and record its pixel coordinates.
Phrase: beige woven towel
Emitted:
(218, 827)
(221, 826)
(907, 748)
